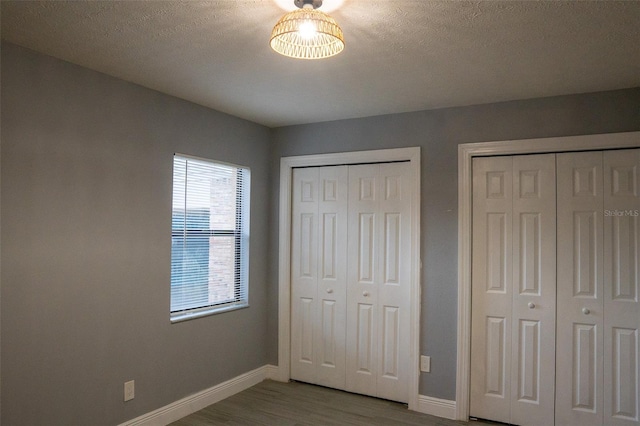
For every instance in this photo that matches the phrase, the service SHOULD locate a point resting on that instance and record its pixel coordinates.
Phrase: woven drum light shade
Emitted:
(288, 36)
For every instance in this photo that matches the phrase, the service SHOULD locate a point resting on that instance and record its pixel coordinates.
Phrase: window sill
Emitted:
(205, 312)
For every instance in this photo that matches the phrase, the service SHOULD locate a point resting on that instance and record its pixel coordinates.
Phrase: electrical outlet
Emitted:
(425, 363)
(129, 390)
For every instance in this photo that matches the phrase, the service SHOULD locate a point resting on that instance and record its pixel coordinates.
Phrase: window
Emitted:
(209, 238)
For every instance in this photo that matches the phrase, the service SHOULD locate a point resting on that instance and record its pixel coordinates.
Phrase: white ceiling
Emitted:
(400, 55)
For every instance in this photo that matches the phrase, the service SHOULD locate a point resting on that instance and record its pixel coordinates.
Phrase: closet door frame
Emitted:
(466, 152)
(287, 164)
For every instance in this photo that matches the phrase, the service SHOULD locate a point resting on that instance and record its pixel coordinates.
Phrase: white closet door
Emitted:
(491, 304)
(598, 272)
(513, 289)
(318, 275)
(622, 287)
(579, 384)
(378, 291)
(304, 278)
(362, 289)
(351, 224)
(394, 285)
(534, 290)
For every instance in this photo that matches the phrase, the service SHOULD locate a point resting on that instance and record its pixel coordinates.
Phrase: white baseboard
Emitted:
(272, 372)
(437, 407)
(179, 409)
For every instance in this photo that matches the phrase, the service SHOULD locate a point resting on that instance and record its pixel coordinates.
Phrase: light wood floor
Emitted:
(300, 404)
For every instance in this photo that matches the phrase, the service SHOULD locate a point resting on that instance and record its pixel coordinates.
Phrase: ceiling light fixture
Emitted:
(307, 33)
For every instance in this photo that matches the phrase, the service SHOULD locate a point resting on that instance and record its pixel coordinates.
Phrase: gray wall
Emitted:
(86, 166)
(438, 133)
(86, 220)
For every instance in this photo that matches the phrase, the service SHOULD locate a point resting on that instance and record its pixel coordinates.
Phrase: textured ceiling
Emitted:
(400, 55)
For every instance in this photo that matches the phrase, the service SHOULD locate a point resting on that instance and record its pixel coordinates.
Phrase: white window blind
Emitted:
(209, 237)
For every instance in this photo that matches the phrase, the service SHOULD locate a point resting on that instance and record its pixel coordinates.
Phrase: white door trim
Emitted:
(465, 154)
(284, 252)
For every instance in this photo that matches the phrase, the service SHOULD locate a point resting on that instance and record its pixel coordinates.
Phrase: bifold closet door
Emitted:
(378, 289)
(318, 275)
(350, 278)
(598, 288)
(513, 289)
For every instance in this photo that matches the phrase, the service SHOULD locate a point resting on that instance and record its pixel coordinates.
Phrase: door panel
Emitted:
(304, 281)
(530, 244)
(318, 284)
(583, 367)
(491, 288)
(329, 245)
(624, 252)
(307, 325)
(622, 282)
(496, 250)
(529, 361)
(328, 356)
(307, 245)
(362, 278)
(587, 234)
(391, 264)
(496, 359)
(579, 385)
(394, 281)
(390, 347)
(366, 249)
(332, 275)
(533, 289)
(624, 367)
(365, 346)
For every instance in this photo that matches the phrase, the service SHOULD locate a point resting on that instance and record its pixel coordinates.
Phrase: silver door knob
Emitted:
(329, 290)
(531, 305)
(586, 311)
(365, 293)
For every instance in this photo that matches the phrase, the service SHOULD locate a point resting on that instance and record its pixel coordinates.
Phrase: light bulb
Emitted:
(307, 30)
